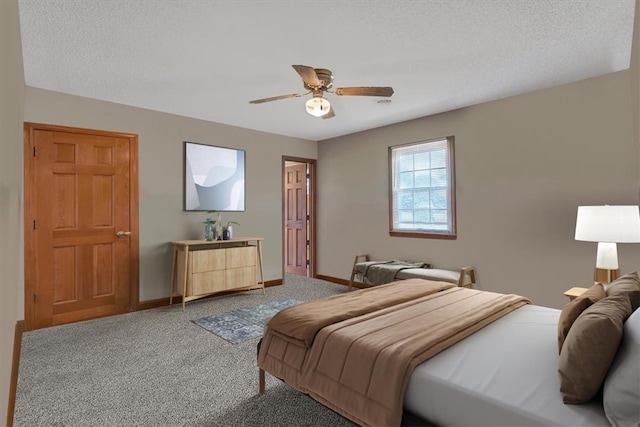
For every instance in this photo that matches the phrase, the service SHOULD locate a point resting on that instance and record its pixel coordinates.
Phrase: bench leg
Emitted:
(353, 274)
(471, 271)
(353, 269)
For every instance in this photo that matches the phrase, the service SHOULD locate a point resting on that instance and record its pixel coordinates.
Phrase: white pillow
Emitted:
(621, 395)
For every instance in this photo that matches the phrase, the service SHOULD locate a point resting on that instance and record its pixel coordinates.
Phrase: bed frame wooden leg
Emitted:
(261, 381)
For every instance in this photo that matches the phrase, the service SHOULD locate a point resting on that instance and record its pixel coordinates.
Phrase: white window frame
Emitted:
(412, 220)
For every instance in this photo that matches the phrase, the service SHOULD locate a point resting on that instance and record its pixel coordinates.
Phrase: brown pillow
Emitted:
(590, 347)
(572, 310)
(629, 283)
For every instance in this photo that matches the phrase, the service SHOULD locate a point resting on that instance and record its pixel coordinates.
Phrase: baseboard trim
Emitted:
(162, 302)
(155, 303)
(340, 281)
(275, 282)
(332, 279)
(15, 365)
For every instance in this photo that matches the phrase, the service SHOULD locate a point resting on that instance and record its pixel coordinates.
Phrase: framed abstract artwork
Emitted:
(214, 178)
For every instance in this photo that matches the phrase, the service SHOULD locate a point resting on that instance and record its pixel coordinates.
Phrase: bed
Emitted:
(485, 374)
(503, 371)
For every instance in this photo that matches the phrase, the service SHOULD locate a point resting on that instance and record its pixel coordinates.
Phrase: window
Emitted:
(422, 189)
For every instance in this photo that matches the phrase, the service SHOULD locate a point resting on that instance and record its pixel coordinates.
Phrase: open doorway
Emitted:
(298, 212)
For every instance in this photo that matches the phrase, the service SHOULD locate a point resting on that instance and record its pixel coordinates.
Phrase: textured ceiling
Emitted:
(207, 59)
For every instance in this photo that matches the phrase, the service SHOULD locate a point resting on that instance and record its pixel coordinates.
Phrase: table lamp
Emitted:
(608, 225)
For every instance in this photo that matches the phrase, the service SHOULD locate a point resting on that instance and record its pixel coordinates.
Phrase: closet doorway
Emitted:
(298, 212)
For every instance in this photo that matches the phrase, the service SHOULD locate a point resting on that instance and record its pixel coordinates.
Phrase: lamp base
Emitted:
(604, 275)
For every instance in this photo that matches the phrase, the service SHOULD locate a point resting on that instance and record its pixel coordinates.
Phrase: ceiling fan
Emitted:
(318, 81)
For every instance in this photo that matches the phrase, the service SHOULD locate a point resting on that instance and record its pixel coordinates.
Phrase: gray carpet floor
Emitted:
(157, 368)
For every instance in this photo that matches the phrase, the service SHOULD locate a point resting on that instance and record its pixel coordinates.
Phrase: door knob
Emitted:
(123, 233)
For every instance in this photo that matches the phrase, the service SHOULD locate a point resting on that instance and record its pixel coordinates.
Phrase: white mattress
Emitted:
(506, 374)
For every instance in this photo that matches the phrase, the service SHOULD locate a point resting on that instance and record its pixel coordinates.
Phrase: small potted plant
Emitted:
(211, 233)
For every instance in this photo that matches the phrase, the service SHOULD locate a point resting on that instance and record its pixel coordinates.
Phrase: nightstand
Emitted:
(574, 292)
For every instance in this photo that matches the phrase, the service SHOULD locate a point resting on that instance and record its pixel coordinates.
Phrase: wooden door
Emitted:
(295, 228)
(81, 224)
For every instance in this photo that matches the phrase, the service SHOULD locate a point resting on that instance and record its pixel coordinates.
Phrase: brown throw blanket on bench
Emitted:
(358, 363)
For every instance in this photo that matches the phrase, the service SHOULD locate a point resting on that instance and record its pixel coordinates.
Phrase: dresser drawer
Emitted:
(240, 277)
(208, 260)
(241, 257)
(206, 283)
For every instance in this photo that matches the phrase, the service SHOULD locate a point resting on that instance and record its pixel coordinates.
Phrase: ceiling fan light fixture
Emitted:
(318, 106)
(318, 81)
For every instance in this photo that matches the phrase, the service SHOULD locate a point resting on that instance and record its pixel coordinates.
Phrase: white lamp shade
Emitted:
(614, 224)
(318, 106)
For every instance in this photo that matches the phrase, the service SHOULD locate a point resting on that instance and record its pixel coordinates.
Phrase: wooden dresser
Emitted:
(201, 268)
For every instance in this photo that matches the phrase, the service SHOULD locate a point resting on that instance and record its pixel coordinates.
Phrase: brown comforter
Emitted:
(358, 361)
(290, 334)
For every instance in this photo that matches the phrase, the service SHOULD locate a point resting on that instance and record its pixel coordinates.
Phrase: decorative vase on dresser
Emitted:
(208, 230)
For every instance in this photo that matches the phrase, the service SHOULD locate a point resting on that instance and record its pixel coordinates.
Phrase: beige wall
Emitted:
(11, 106)
(523, 166)
(161, 148)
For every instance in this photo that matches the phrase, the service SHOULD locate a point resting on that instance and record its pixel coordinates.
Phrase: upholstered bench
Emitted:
(464, 277)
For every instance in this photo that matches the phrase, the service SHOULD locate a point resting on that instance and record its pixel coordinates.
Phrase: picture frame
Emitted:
(214, 178)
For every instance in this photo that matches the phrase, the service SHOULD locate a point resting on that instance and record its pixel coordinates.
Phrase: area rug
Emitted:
(244, 323)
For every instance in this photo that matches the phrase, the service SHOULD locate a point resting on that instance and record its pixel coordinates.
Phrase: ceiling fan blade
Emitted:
(308, 74)
(330, 114)
(275, 98)
(364, 91)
